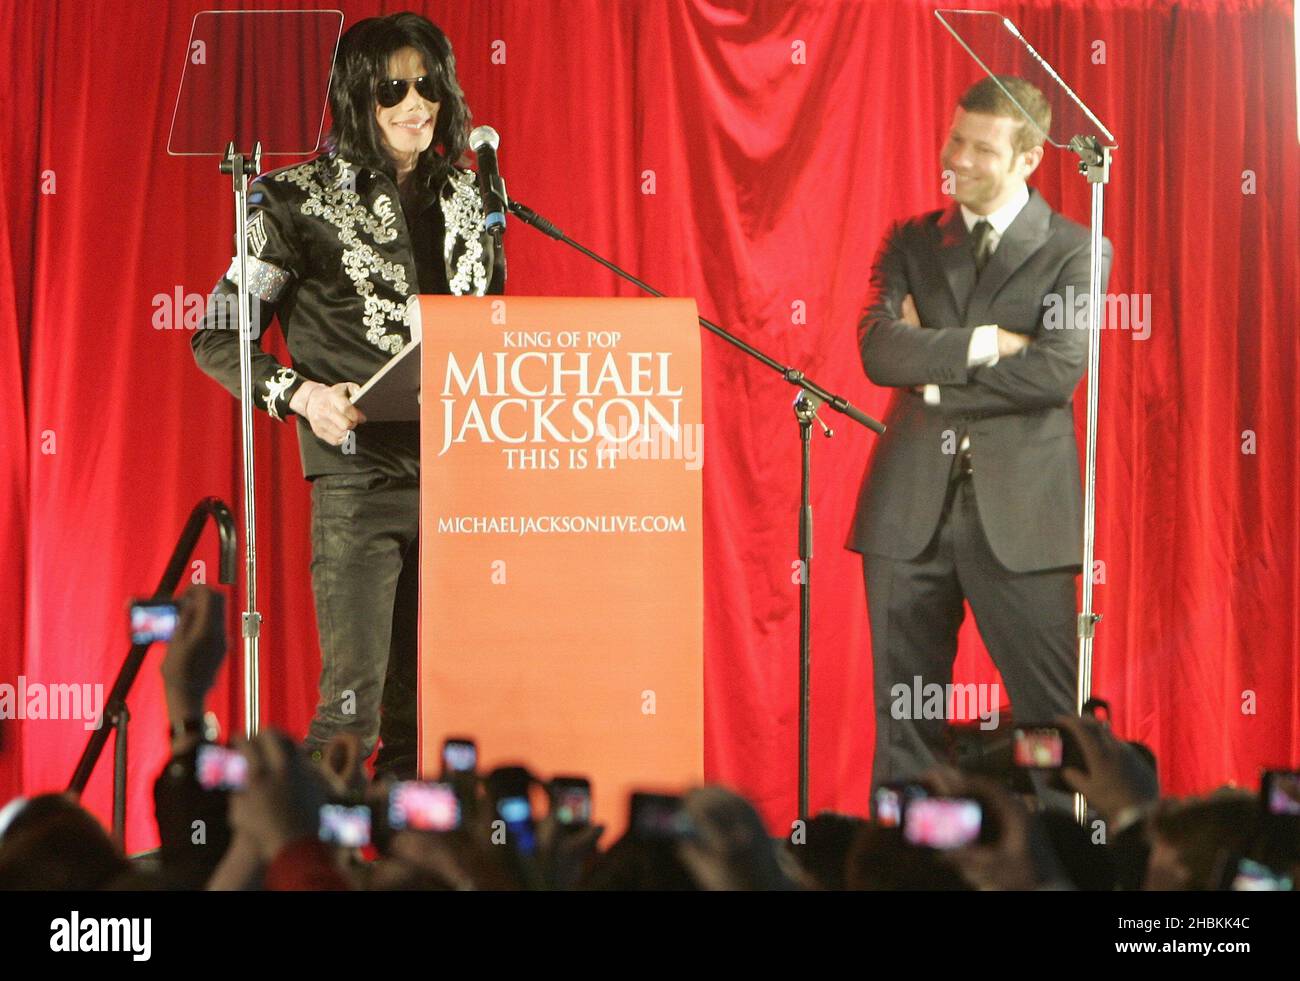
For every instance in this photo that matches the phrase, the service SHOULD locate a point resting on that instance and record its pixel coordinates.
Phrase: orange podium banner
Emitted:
(561, 539)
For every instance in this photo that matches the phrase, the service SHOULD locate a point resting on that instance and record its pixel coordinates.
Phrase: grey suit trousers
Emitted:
(1027, 622)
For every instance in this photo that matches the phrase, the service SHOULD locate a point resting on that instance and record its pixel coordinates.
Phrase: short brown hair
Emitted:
(988, 97)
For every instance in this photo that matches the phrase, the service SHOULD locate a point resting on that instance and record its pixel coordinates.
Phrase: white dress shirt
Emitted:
(983, 349)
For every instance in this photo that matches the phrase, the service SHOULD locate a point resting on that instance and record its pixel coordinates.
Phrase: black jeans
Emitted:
(365, 576)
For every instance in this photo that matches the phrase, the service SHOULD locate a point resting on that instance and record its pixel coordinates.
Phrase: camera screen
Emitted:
(419, 806)
(345, 826)
(153, 622)
(1038, 748)
(219, 768)
(459, 756)
(572, 805)
(892, 801)
(1284, 793)
(942, 822)
(889, 807)
(514, 810)
(518, 816)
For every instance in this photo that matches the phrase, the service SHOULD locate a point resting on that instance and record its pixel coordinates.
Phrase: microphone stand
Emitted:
(810, 397)
(1094, 165)
(240, 168)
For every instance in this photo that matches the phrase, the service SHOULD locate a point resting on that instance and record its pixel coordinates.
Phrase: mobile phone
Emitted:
(943, 822)
(414, 805)
(348, 827)
(891, 801)
(517, 812)
(220, 768)
(459, 756)
(1046, 747)
(1038, 748)
(658, 817)
(571, 800)
(508, 788)
(1280, 792)
(153, 621)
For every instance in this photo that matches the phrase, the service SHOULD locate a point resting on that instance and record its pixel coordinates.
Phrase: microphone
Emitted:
(484, 141)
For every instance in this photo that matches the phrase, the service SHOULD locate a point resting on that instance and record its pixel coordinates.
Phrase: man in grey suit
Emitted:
(974, 492)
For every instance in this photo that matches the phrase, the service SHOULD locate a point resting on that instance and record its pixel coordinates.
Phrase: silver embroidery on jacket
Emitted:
(462, 214)
(384, 209)
(331, 195)
(276, 386)
(340, 205)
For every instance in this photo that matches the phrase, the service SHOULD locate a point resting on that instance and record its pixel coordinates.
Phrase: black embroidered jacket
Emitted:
(335, 257)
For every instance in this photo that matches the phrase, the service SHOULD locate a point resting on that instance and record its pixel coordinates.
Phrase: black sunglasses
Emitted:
(391, 91)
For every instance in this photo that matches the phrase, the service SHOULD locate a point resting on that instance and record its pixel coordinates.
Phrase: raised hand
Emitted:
(1116, 777)
(195, 652)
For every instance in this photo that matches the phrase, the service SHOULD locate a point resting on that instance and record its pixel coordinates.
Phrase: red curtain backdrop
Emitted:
(781, 139)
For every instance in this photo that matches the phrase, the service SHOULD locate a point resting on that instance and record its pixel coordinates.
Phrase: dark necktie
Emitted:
(980, 244)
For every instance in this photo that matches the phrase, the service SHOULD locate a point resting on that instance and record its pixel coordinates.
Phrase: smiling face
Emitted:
(407, 128)
(980, 153)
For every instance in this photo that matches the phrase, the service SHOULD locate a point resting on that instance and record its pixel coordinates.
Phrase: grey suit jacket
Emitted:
(1017, 412)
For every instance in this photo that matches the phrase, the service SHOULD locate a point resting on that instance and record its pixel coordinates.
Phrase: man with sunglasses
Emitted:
(336, 248)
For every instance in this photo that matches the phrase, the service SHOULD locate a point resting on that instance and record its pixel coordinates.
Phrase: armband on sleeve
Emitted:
(265, 280)
(272, 255)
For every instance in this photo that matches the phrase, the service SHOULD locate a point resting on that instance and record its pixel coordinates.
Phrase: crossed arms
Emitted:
(897, 351)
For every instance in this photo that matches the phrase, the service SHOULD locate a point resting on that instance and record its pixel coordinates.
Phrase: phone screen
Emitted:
(1282, 792)
(346, 826)
(892, 800)
(571, 803)
(153, 622)
(418, 806)
(219, 768)
(889, 807)
(459, 756)
(942, 822)
(1041, 749)
(517, 813)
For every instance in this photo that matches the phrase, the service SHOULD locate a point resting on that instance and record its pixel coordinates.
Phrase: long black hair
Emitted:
(362, 62)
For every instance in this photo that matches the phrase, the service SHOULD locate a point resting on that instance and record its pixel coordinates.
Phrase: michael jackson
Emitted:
(336, 247)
